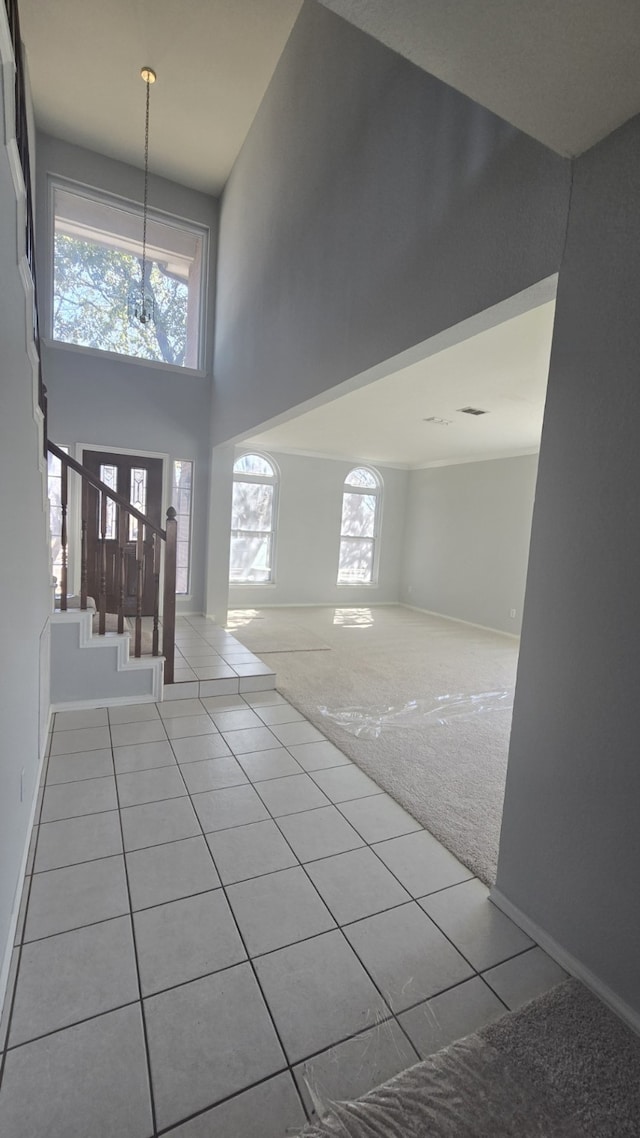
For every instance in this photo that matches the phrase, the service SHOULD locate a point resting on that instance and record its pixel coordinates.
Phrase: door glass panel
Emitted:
(138, 498)
(109, 475)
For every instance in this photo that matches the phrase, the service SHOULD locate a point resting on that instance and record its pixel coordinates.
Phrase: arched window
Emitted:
(253, 520)
(361, 499)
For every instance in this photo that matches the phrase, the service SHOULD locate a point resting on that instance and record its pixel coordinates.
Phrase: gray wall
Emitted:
(370, 207)
(308, 537)
(24, 565)
(467, 540)
(112, 402)
(570, 850)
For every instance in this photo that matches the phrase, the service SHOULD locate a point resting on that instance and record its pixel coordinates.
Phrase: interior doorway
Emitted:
(137, 478)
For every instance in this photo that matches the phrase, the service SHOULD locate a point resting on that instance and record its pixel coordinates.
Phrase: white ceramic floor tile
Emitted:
(252, 739)
(166, 873)
(178, 708)
(215, 703)
(341, 784)
(451, 1016)
(421, 863)
(278, 909)
(181, 691)
(74, 840)
(270, 1110)
(72, 720)
(77, 895)
(524, 977)
(280, 713)
(143, 756)
(207, 1040)
(214, 672)
(249, 851)
(63, 1085)
(236, 720)
(213, 774)
(188, 726)
(186, 939)
(72, 799)
(133, 713)
(199, 747)
(138, 787)
(317, 756)
(8, 996)
(352, 1068)
(73, 976)
(356, 885)
(84, 764)
(482, 933)
(147, 731)
(183, 675)
(319, 994)
(292, 734)
(261, 765)
(264, 698)
(319, 833)
(407, 956)
(223, 809)
(378, 817)
(86, 739)
(290, 795)
(212, 688)
(251, 683)
(158, 822)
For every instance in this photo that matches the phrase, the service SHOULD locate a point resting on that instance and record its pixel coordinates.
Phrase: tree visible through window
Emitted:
(358, 529)
(253, 519)
(97, 279)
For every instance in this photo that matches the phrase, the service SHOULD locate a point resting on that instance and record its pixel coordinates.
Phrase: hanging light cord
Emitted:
(143, 309)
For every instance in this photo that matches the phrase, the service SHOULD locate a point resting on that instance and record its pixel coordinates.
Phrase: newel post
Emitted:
(169, 601)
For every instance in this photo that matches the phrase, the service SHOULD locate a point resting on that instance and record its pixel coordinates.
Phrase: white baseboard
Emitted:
(568, 961)
(108, 701)
(459, 620)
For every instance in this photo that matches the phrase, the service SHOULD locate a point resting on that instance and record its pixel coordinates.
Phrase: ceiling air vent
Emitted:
(471, 411)
(437, 421)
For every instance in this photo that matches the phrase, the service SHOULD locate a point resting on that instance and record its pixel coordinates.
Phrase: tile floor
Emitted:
(206, 652)
(225, 923)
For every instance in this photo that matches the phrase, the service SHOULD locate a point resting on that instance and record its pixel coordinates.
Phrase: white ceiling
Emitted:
(564, 71)
(502, 370)
(214, 60)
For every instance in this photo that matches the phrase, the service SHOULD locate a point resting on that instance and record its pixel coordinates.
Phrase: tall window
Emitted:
(359, 527)
(181, 498)
(253, 520)
(97, 279)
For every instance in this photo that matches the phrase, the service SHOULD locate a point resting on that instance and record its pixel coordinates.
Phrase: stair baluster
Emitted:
(156, 592)
(139, 588)
(102, 603)
(122, 524)
(64, 499)
(169, 603)
(83, 543)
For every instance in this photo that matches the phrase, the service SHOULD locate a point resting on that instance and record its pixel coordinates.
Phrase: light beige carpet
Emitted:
(445, 759)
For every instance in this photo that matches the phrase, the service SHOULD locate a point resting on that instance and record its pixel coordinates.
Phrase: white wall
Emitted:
(308, 537)
(99, 399)
(24, 564)
(570, 847)
(370, 208)
(467, 540)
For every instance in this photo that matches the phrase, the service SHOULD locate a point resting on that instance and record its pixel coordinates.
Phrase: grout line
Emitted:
(136, 957)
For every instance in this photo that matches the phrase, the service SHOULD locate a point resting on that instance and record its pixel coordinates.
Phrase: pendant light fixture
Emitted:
(142, 307)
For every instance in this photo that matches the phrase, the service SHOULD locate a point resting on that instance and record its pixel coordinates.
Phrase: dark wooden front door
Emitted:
(139, 480)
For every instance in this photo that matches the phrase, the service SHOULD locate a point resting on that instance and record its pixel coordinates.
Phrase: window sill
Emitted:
(98, 353)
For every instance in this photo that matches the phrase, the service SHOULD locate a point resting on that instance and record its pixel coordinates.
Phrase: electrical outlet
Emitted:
(512, 613)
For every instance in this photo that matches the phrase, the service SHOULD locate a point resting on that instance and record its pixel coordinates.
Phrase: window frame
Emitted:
(264, 480)
(377, 492)
(174, 461)
(118, 201)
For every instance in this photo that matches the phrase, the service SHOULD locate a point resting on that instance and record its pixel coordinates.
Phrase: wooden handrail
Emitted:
(168, 536)
(93, 479)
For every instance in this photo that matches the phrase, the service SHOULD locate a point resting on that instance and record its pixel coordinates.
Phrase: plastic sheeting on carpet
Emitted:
(465, 1091)
(440, 710)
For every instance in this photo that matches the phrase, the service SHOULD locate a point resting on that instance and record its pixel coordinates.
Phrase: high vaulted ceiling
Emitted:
(214, 60)
(501, 371)
(564, 71)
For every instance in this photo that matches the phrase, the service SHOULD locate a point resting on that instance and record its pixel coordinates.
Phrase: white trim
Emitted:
(459, 620)
(567, 960)
(124, 663)
(476, 458)
(109, 701)
(159, 365)
(346, 458)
